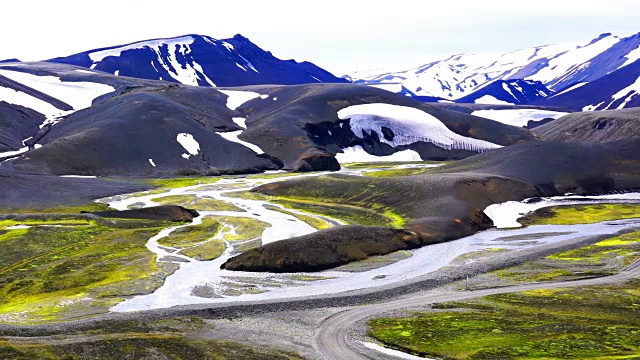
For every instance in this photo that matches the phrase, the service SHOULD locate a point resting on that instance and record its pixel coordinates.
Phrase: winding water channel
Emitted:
(233, 286)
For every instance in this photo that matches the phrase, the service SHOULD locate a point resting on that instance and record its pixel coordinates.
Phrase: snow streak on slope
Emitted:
(628, 94)
(78, 94)
(556, 66)
(409, 125)
(237, 98)
(518, 117)
(176, 48)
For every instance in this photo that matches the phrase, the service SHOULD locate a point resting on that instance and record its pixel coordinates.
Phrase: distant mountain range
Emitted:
(200, 60)
(562, 69)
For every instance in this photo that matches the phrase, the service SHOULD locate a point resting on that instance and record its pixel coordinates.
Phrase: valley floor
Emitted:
(316, 315)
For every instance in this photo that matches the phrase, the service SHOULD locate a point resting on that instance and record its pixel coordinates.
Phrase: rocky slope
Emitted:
(593, 126)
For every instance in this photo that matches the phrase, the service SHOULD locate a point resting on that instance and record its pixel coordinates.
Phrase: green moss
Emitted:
(49, 273)
(582, 214)
(192, 235)
(197, 203)
(172, 183)
(138, 346)
(603, 258)
(589, 322)
(314, 222)
(90, 207)
(207, 251)
(344, 212)
(244, 228)
(399, 172)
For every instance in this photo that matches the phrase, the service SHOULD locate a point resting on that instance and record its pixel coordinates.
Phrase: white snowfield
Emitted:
(79, 94)
(188, 143)
(517, 117)
(409, 125)
(357, 154)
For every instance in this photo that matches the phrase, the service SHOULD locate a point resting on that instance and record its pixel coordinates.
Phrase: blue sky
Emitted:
(341, 36)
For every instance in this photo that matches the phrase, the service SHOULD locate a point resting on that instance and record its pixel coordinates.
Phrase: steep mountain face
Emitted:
(617, 90)
(513, 92)
(65, 120)
(556, 66)
(200, 60)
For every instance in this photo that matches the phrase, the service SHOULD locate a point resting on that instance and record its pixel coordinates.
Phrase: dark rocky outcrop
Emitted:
(165, 212)
(324, 250)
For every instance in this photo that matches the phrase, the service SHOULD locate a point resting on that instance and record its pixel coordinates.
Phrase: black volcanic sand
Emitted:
(448, 204)
(19, 192)
(302, 124)
(593, 126)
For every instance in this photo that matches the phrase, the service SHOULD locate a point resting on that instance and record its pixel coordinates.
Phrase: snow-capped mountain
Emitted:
(508, 92)
(618, 90)
(200, 60)
(555, 66)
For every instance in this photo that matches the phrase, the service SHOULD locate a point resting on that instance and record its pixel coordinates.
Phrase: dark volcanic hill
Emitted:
(593, 126)
(200, 60)
(104, 125)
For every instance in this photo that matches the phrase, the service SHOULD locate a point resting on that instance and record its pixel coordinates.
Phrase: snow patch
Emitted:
(236, 98)
(152, 163)
(518, 117)
(409, 125)
(488, 99)
(233, 137)
(188, 143)
(395, 353)
(78, 94)
(632, 57)
(79, 176)
(358, 154)
(573, 87)
(240, 121)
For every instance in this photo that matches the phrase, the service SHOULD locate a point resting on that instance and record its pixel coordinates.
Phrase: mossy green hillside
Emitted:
(50, 273)
(399, 172)
(578, 323)
(210, 250)
(344, 212)
(313, 221)
(582, 214)
(172, 183)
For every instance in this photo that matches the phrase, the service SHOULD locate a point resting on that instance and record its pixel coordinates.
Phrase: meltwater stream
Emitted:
(233, 286)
